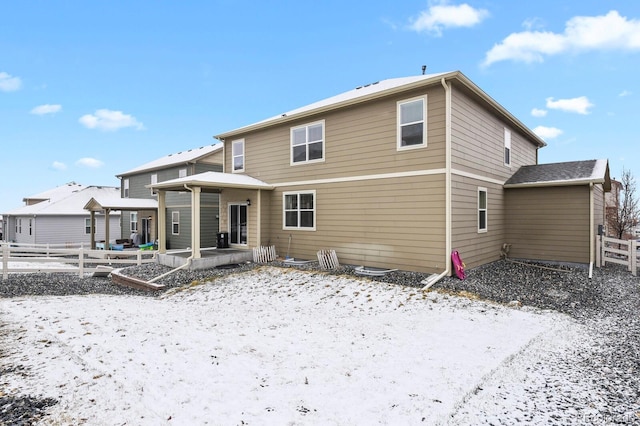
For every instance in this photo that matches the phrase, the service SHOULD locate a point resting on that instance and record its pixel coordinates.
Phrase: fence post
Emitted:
(598, 250)
(634, 257)
(139, 257)
(81, 262)
(5, 261)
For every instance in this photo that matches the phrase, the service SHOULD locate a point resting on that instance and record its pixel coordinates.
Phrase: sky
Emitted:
(89, 90)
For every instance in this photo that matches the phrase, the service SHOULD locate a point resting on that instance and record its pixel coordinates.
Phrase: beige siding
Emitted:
(478, 141)
(360, 140)
(549, 223)
(477, 248)
(394, 223)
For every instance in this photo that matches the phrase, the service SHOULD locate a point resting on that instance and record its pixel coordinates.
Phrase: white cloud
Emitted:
(442, 15)
(547, 132)
(578, 105)
(537, 112)
(57, 165)
(581, 33)
(108, 120)
(8, 83)
(89, 162)
(46, 109)
(624, 93)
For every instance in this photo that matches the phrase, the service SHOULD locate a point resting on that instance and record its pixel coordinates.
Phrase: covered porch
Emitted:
(199, 257)
(107, 205)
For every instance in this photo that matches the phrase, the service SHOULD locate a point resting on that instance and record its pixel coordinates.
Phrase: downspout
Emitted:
(189, 259)
(591, 230)
(447, 201)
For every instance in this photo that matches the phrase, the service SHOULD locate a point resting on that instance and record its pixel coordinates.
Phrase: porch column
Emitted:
(195, 221)
(106, 229)
(92, 222)
(258, 221)
(162, 222)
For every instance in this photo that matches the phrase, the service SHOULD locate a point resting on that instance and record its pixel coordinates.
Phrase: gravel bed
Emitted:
(596, 382)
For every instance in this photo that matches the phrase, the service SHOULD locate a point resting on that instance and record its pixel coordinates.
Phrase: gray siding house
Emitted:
(58, 217)
(134, 185)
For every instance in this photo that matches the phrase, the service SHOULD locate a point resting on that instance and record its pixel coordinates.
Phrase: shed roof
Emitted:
(71, 204)
(182, 157)
(562, 174)
(381, 89)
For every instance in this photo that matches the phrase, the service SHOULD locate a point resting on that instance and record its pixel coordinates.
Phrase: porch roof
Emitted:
(212, 182)
(97, 204)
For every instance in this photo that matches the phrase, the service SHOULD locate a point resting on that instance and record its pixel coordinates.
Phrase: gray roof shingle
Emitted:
(571, 172)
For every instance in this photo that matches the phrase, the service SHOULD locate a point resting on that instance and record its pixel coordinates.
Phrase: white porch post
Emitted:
(92, 214)
(106, 229)
(195, 221)
(162, 222)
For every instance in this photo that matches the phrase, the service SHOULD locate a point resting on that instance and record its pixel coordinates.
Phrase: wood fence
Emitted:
(621, 252)
(21, 258)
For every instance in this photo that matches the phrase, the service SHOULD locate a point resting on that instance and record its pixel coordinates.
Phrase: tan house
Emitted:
(397, 173)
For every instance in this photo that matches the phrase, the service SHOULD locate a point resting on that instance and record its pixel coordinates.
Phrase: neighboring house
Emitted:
(140, 206)
(394, 174)
(1, 228)
(58, 216)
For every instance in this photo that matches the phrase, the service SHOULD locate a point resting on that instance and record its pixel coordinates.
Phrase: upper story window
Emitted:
(154, 180)
(412, 123)
(507, 147)
(237, 153)
(482, 209)
(182, 173)
(125, 188)
(307, 143)
(299, 210)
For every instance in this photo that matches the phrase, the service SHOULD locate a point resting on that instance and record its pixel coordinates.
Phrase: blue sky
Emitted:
(90, 89)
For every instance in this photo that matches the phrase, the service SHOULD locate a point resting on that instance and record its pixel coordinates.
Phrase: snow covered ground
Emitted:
(270, 346)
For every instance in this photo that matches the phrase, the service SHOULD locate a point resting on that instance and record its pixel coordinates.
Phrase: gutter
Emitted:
(592, 236)
(432, 280)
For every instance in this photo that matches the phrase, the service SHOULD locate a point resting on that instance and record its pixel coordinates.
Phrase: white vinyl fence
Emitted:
(21, 258)
(621, 252)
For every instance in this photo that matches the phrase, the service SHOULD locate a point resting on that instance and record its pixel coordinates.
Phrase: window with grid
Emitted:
(307, 143)
(237, 152)
(412, 123)
(299, 210)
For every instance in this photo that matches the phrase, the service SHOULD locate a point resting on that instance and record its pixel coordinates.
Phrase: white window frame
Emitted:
(314, 210)
(507, 147)
(125, 185)
(87, 226)
(133, 221)
(154, 180)
(484, 209)
(30, 226)
(306, 127)
(175, 223)
(239, 142)
(182, 173)
(399, 145)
